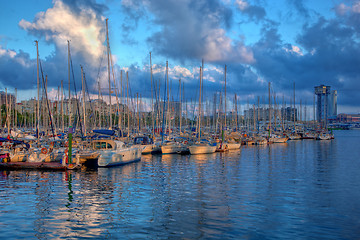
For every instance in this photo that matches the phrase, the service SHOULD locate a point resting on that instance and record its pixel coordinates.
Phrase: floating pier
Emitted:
(33, 165)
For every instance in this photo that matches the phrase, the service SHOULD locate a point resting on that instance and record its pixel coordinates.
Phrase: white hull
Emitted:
(147, 149)
(233, 146)
(294, 137)
(38, 156)
(324, 137)
(261, 141)
(107, 153)
(110, 158)
(198, 149)
(278, 140)
(174, 148)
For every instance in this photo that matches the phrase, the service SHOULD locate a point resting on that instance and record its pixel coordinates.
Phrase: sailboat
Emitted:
(201, 146)
(108, 152)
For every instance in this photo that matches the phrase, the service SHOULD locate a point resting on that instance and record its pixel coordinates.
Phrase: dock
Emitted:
(33, 165)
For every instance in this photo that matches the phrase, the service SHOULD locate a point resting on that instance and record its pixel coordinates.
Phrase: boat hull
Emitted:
(278, 140)
(121, 157)
(233, 146)
(171, 149)
(202, 149)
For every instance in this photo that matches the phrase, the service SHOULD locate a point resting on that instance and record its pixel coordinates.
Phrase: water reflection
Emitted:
(302, 189)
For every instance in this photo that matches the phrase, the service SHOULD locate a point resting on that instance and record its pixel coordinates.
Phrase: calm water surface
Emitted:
(304, 189)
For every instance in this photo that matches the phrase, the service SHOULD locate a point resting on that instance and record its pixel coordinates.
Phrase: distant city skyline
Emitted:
(308, 43)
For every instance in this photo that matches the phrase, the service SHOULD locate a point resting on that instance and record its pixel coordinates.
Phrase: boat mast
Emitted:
(83, 93)
(168, 96)
(137, 112)
(69, 103)
(98, 106)
(180, 113)
(225, 100)
(269, 111)
(57, 125)
(199, 113)
(7, 111)
(108, 57)
(62, 106)
(294, 108)
(38, 90)
(115, 89)
(152, 103)
(127, 101)
(15, 115)
(121, 103)
(236, 112)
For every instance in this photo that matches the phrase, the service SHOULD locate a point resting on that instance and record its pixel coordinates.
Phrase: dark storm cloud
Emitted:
(188, 30)
(132, 16)
(77, 5)
(330, 58)
(254, 12)
(300, 7)
(185, 26)
(17, 71)
(325, 52)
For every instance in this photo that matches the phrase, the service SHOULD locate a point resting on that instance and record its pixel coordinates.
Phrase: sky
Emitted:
(283, 42)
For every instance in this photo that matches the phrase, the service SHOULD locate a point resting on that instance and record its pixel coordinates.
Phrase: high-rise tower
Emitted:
(322, 105)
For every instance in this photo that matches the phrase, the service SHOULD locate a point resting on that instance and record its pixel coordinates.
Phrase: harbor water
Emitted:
(304, 189)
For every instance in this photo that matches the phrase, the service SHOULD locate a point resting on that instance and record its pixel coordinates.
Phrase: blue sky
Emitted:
(282, 42)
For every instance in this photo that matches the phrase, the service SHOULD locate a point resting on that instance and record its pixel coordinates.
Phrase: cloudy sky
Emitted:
(284, 41)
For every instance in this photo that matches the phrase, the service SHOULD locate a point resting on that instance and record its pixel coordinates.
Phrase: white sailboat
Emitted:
(201, 147)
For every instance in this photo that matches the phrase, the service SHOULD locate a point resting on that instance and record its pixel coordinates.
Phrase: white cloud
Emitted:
(242, 5)
(341, 9)
(220, 47)
(294, 49)
(8, 53)
(83, 29)
(181, 72)
(356, 7)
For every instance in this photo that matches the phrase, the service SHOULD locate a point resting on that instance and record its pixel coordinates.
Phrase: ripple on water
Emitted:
(299, 190)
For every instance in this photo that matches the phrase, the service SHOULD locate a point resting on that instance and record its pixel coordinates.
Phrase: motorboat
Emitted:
(107, 153)
(146, 144)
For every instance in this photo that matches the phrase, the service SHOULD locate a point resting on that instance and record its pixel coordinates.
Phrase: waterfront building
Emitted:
(262, 114)
(348, 118)
(333, 104)
(10, 99)
(326, 104)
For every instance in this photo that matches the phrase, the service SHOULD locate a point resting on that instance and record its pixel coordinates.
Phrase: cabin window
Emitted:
(109, 146)
(138, 141)
(103, 145)
(97, 145)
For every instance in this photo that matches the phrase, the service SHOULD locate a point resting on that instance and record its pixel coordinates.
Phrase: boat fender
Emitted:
(66, 144)
(66, 150)
(44, 151)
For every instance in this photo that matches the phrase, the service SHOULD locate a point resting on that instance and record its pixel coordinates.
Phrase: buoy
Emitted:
(71, 166)
(66, 150)
(66, 144)
(44, 151)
